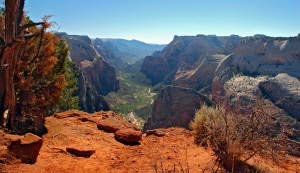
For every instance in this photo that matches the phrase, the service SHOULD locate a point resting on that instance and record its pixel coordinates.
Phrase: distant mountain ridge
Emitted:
(128, 51)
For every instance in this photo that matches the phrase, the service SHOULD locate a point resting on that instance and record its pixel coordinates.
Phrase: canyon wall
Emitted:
(97, 77)
(209, 64)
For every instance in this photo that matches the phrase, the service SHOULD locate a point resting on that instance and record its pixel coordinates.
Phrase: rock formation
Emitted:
(181, 59)
(284, 91)
(263, 56)
(229, 69)
(175, 106)
(96, 76)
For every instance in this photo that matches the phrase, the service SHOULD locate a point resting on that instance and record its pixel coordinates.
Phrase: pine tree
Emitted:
(36, 75)
(68, 99)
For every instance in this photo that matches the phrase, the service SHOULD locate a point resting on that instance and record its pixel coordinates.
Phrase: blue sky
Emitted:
(157, 21)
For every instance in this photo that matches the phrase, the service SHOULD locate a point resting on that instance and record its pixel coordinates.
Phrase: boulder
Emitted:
(284, 91)
(242, 92)
(27, 148)
(128, 135)
(80, 151)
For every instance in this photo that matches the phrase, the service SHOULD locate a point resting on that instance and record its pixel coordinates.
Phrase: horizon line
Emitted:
(184, 35)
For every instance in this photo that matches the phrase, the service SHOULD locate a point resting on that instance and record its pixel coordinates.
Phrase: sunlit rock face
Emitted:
(175, 107)
(284, 91)
(186, 59)
(96, 76)
(208, 65)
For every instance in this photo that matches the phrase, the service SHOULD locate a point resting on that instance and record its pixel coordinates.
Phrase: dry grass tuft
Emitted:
(235, 138)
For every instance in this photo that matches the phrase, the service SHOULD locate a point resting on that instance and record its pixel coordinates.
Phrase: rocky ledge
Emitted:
(74, 143)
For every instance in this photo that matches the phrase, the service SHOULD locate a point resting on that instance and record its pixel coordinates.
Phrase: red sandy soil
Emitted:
(174, 151)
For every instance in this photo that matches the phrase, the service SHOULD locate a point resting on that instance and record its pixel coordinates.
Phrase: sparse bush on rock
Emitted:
(235, 138)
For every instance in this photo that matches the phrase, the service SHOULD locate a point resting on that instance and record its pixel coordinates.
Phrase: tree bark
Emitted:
(8, 59)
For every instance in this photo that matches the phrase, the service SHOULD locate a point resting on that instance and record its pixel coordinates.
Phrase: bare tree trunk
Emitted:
(8, 59)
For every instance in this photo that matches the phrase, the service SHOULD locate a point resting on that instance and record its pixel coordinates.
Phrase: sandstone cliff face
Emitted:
(179, 63)
(81, 48)
(184, 58)
(97, 77)
(210, 64)
(109, 52)
(175, 106)
(258, 56)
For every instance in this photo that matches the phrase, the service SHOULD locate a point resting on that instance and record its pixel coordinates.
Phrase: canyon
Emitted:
(188, 73)
(105, 102)
(101, 64)
(233, 70)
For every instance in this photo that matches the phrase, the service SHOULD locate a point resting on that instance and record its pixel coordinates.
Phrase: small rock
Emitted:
(128, 135)
(156, 132)
(113, 124)
(80, 151)
(27, 148)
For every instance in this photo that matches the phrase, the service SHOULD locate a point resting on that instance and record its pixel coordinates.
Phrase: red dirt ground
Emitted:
(175, 151)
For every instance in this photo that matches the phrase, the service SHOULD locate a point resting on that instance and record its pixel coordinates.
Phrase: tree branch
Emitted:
(31, 25)
(40, 43)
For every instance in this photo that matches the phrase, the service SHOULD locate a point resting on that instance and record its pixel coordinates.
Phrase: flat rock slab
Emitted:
(70, 113)
(26, 148)
(128, 135)
(80, 151)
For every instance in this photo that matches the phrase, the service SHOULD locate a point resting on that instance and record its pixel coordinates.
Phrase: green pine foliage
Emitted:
(68, 99)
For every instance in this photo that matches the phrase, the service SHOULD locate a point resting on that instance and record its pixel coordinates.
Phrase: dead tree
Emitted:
(9, 55)
(10, 50)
